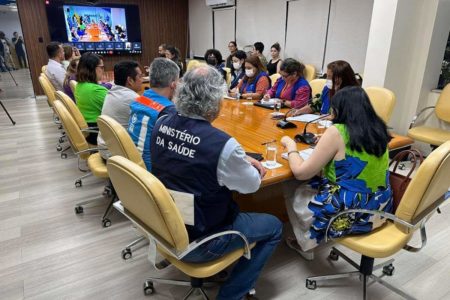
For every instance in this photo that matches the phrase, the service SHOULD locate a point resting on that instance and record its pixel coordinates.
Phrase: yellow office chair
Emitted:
(228, 75)
(382, 100)
(44, 69)
(120, 143)
(73, 85)
(81, 148)
(274, 77)
(193, 63)
(310, 72)
(421, 199)
(48, 88)
(147, 203)
(317, 86)
(431, 135)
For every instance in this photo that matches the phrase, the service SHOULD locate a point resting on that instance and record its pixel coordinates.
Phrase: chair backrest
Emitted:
(48, 88)
(310, 72)
(428, 185)
(44, 69)
(383, 101)
(193, 63)
(73, 85)
(317, 86)
(73, 132)
(72, 108)
(118, 140)
(228, 75)
(144, 196)
(442, 109)
(274, 77)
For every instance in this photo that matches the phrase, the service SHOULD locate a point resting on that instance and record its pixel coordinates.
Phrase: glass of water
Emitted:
(271, 154)
(277, 105)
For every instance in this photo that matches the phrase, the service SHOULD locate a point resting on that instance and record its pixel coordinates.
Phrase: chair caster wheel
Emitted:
(106, 222)
(311, 284)
(251, 293)
(388, 270)
(148, 288)
(61, 140)
(107, 192)
(59, 148)
(126, 253)
(63, 155)
(333, 255)
(79, 210)
(78, 183)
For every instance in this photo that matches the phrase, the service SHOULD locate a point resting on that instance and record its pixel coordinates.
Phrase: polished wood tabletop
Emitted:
(252, 126)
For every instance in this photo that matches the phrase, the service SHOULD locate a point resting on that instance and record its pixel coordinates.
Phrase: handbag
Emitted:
(400, 182)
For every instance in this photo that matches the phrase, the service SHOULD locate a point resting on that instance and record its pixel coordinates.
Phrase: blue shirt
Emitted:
(325, 101)
(145, 110)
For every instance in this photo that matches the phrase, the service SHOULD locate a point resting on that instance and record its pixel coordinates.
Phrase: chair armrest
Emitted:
(195, 244)
(414, 119)
(91, 150)
(420, 224)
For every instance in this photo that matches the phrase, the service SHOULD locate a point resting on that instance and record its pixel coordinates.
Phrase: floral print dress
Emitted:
(360, 180)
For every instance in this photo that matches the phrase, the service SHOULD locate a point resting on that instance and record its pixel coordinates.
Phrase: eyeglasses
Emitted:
(101, 67)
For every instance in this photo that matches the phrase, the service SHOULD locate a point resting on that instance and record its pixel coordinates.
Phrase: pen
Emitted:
(268, 142)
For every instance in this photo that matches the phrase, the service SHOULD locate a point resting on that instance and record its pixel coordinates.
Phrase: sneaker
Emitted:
(293, 244)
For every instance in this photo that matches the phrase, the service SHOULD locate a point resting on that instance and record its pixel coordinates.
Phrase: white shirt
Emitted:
(56, 73)
(234, 171)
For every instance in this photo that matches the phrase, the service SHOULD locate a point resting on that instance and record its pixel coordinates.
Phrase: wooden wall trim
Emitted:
(162, 21)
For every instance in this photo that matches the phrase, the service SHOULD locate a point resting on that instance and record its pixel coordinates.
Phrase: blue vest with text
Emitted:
(325, 109)
(185, 155)
(251, 87)
(298, 84)
(144, 112)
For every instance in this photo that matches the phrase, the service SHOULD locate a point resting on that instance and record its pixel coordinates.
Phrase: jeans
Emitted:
(263, 229)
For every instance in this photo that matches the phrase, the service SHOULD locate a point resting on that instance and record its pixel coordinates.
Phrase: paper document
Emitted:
(229, 97)
(305, 154)
(303, 118)
(270, 101)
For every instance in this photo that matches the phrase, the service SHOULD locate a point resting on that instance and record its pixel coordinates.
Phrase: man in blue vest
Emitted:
(205, 164)
(155, 102)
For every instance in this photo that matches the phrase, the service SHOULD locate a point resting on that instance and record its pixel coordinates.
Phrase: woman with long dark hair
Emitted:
(354, 158)
(255, 82)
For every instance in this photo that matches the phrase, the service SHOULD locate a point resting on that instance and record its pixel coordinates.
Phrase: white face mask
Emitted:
(249, 73)
(329, 84)
(236, 65)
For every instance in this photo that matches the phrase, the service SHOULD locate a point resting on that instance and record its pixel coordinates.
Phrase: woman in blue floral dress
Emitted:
(354, 161)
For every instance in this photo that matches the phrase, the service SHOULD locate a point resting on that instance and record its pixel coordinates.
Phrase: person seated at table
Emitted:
(213, 57)
(339, 75)
(223, 167)
(174, 55)
(232, 46)
(55, 71)
(162, 50)
(273, 66)
(258, 49)
(256, 82)
(89, 94)
(71, 74)
(155, 102)
(292, 87)
(354, 157)
(69, 54)
(237, 68)
(128, 83)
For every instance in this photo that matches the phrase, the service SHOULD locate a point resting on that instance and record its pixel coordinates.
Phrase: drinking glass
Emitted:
(277, 105)
(271, 154)
(322, 125)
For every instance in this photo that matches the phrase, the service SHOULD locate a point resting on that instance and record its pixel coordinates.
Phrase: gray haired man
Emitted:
(191, 156)
(155, 102)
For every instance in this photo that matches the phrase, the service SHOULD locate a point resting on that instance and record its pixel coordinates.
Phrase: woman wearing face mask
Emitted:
(292, 88)
(213, 57)
(238, 68)
(273, 66)
(339, 75)
(255, 82)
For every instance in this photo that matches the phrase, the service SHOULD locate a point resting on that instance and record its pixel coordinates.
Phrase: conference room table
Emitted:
(252, 126)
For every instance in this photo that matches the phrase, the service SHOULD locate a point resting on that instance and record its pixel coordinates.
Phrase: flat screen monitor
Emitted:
(103, 29)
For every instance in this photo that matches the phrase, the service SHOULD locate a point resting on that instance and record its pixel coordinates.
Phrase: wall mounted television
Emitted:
(106, 29)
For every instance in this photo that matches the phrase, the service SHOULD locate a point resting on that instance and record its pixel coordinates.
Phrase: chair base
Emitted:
(196, 285)
(365, 270)
(127, 252)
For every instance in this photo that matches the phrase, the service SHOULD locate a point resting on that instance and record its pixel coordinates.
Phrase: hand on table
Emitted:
(288, 143)
(257, 165)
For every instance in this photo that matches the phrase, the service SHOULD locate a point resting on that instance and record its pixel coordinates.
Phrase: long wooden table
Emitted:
(251, 126)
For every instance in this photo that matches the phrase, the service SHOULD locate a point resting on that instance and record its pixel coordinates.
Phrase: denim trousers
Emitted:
(263, 229)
